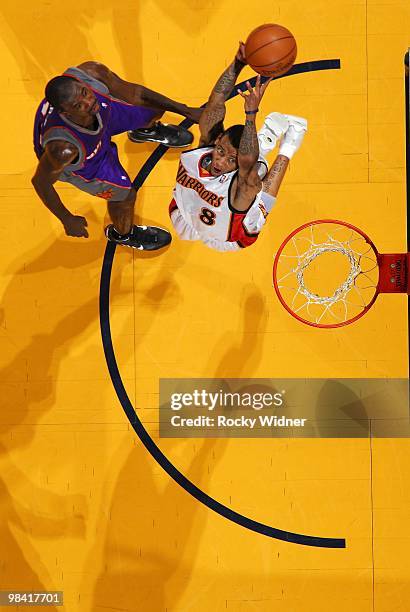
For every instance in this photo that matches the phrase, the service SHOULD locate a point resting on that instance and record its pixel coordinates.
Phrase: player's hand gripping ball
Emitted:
(271, 50)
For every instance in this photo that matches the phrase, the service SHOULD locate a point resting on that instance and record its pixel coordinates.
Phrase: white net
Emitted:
(327, 274)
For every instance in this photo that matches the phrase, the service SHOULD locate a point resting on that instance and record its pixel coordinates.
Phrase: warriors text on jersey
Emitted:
(204, 203)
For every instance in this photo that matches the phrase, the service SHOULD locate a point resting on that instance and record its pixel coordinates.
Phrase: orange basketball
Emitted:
(271, 50)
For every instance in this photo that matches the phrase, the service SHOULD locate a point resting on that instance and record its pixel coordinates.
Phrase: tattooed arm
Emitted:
(248, 152)
(249, 182)
(211, 121)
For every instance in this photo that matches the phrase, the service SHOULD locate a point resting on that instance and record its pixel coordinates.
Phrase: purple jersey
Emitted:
(97, 155)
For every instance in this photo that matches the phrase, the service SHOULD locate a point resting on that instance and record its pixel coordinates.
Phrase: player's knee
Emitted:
(129, 200)
(131, 197)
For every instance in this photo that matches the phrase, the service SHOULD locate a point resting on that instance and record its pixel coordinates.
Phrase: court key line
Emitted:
(147, 441)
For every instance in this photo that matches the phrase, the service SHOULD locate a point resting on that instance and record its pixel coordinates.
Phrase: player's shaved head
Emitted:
(60, 90)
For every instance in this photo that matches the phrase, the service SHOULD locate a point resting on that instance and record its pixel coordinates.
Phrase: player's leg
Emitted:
(291, 140)
(123, 231)
(142, 125)
(122, 213)
(114, 185)
(121, 203)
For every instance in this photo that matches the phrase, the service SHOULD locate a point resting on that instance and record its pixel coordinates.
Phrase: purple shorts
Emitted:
(110, 181)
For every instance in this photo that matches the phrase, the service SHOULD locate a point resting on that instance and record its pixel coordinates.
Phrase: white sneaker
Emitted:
(274, 127)
(293, 137)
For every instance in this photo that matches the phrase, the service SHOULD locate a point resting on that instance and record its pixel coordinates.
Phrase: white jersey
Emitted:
(204, 203)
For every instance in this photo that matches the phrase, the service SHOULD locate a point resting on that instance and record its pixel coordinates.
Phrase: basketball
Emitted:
(271, 50)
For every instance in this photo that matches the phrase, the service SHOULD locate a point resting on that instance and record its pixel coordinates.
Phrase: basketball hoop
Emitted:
(328, 273)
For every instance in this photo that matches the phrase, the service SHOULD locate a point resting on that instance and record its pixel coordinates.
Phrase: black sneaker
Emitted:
(141, 237)
(168, 135)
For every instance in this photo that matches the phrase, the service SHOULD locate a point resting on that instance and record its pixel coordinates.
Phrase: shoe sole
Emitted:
(272, 133)
(276, 118)
(300, 121)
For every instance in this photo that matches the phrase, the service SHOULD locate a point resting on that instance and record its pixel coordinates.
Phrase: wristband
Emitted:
(251, 112)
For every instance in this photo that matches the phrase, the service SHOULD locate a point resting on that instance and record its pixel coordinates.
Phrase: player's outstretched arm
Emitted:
(137, 94)
(57, 155)
(248, 152)
(249, 182)
(214, 112)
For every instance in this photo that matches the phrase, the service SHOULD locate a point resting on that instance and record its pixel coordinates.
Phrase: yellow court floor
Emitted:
(84, 508)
